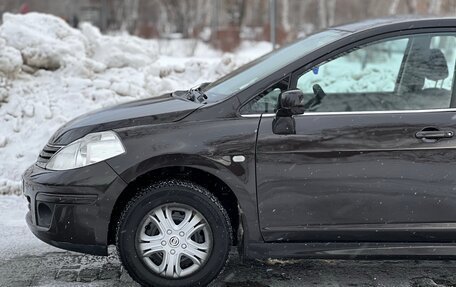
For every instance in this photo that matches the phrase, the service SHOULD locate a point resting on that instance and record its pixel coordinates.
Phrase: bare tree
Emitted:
(435, 7)
(126, 14)
(189, 17)
(412, 6)
(331, 11)
(322, 14)
(285, 15)
(326, 13)
(394, 7)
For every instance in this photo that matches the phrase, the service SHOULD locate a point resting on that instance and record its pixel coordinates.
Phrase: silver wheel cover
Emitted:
(174, 240)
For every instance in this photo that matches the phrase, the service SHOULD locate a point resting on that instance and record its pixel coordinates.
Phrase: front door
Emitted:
(375, 160)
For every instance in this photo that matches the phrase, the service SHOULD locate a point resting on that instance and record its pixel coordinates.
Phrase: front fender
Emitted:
(205, 145)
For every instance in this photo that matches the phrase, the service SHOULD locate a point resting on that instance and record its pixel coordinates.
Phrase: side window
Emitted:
(369, 69)
(266, 102)
(398, 74)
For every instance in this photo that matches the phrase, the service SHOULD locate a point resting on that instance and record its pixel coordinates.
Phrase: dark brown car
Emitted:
(340, 145)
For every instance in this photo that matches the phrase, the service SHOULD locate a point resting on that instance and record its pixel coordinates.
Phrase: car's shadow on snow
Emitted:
(72, 269)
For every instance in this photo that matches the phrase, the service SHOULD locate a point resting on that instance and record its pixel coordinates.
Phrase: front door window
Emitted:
(408, 73)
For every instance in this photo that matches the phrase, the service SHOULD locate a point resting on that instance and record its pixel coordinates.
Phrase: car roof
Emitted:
(398, 22)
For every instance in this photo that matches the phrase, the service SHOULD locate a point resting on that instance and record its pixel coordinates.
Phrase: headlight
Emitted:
(90, 149)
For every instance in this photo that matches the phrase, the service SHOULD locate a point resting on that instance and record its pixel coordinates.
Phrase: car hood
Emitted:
(155, 110)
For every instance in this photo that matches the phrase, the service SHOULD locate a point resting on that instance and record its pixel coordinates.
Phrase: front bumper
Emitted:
(72, 209)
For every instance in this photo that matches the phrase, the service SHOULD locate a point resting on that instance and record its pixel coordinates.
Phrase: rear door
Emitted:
(376, 159)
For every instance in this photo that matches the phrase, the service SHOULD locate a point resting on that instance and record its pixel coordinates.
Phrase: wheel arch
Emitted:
(212, 183)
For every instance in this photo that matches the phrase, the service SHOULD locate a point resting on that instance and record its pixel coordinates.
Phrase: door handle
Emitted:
(434, 134)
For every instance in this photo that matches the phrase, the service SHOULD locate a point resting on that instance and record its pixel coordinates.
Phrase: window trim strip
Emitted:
(358, 113)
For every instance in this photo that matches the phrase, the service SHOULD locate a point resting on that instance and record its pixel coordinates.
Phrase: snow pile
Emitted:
(51, 73)
(118, 52)
(10, 60)
(44, 42)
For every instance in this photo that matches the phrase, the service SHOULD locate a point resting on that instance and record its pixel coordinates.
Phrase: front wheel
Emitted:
(174, 233)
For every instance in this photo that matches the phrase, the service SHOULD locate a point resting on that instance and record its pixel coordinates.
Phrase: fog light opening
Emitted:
(44, 214)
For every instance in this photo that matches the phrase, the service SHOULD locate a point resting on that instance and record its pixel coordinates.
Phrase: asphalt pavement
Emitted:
(72, 269)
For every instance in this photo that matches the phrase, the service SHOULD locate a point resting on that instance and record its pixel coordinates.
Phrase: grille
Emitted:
(46, 154)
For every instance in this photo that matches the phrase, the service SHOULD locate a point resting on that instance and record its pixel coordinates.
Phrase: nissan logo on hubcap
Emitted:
(174, 241)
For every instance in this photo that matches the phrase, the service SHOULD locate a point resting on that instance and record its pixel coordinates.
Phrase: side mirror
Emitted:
(290, 103)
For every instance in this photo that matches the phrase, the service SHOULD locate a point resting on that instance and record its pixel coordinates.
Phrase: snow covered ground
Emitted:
(14, 232)
(51, 73)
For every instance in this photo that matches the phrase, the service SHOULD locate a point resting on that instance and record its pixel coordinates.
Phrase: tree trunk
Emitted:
(331, 12)
(412, 6)
(435, 7)
(394, 6)
(285, 15)
(129, 15)
(322, 14)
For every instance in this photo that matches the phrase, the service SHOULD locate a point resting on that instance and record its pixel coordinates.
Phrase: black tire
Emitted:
(170, 192)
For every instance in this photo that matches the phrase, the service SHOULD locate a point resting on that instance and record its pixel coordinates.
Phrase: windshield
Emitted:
(251, 73)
